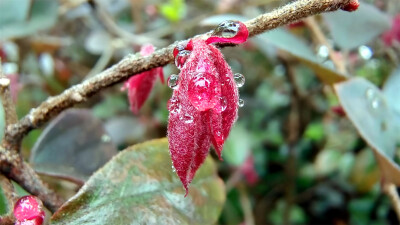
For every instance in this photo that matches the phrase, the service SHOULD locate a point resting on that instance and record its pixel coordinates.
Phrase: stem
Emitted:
(391, 192)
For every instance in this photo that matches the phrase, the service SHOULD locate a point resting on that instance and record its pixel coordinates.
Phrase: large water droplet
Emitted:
(222, 105)
(181, 58)
(187, 118)
(227, 29)
(173, 81)
(174, 106)
(204, 91)
(239, 79)
(241, 103)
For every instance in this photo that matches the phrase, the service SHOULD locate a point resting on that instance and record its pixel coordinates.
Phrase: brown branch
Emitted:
(12, 166)
(11, 198)
(8, 104)
(391, 192)
(134, 64)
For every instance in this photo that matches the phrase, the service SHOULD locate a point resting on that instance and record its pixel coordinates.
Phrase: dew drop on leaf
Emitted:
(173, 169)
(181, 58)
(187, 118)
(173, 81)
(227, 29)
(239, 79)
(373, 98)
(174, 106)
(204, 91)
(241, 103)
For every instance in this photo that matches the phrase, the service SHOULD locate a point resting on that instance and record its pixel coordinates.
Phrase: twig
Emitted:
(134, 64)
(246, 205)
(321, 39)
(391, 192)
(11, 198)
(292, 139)
(12, 166)
(8, 104)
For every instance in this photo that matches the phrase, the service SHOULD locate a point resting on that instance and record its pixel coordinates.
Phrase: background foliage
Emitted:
(293, 156)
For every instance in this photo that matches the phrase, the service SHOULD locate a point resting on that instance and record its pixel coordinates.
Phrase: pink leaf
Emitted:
(140, 85)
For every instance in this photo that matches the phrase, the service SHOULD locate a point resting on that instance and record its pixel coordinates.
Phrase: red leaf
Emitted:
(140, 85)
(392, 35)
(202, 109)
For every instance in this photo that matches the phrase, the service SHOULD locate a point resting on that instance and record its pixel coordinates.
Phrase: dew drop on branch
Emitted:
(227, 29)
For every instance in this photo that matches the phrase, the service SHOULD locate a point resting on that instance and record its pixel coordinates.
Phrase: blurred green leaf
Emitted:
(296, 47)
(391, 90)
(297, 214)
(365, 173)
(369, 111)
(327, 161)
(110, 106)
(174, 10)
(314, 131)
(73, 145)
(138, 186)
(44, 15)
(238, 145)
(14, 11)
(350, 30)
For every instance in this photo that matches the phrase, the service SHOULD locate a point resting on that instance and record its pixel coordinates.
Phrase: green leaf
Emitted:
(369, 111)
(350, 30)
(44, 15)
(138, 186)
(174, 10)
(391, 90)
(237, 146)
(14, 11)
(296, 47)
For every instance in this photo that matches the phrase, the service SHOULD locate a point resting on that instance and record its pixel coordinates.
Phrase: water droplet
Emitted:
(227, 29)
(376, 103)
(181, 58)
(241, 103)
(105, 138)
(323, 51)
(173, 81)
(370, 93)
(174, 106)
(239, 79)
(222, 105)
(187, 118)
(173, 169)
(204, 91)
(365, 52)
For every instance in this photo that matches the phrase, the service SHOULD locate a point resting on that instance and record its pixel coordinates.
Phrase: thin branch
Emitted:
(134, 64)
(391, 192)
(12, 166)
(11, 198)
(8, 104)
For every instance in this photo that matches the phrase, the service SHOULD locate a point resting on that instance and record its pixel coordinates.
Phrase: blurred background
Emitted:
(293, 155)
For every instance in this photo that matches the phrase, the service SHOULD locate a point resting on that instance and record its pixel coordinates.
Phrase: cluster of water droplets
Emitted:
(239, 81)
